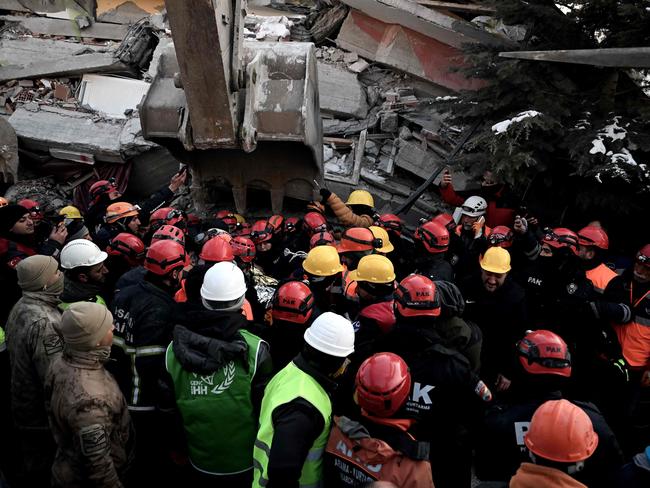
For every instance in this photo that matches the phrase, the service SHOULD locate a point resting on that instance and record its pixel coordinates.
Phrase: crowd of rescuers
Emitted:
(144, 346)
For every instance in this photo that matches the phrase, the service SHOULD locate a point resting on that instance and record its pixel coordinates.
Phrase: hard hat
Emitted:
(322, 261)
(561, 237)
(501, 236)
(643, 256)
(375, 269)
(243, 230)
(217, 250)
(128, 246)
(383, 384)
(102, 187)
(417, 296)
(33, 207)
(322, 238)
(169, 232)
(495, 260)
(167, 216)
(291, 224)
(316, 207)
(70, 212)
(164, 257)
(314, 222)
(261, 232)
(81, 252)
(239, 218)
(243, 248)
(224, 282)
(445, 219)
(381, 233)
(562, 432)
(544, 352)
(331, 334)
(120, 210)
(227, 217)
(358, 239)
(433, 236)
(3, 202)
(474, 206)
(360, 197)
(390, 222)
(275, 222)
(593, 236)
(293, 302)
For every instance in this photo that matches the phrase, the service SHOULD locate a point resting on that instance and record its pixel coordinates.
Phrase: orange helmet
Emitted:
(383, 384)
(169, 232)
(501, 236)
(217, 250)
(593, 236)
(390, 222)
(434, 236)
(128, 246)
(167, 216)
(293, 302)
(314, 222)
(561, 237)
(544, 352)
(276, 222)
(562, 432)
(102, 187)
(3, 202)
(120, 210)
(243, 248)
(164, 257)
(445, 219)
(261, 232)
(417, 296)
(316, 207)
(357, 239)
(322, 238)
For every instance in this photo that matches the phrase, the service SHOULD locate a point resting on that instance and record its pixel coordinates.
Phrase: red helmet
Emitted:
(357, 239)
(34, 208)
(217, 250)
(544, 352)
(643, 256)
(261, 232)
(445, 219)
(561, 237)
(390, 222)
(314, 222)
(316, 207)
(434, 236)
(322, 238)
(416, 296)
(291, 225)
(243, 248)
(128, 246)
(383, 384)
(169, 232)
(102, 187)
(501, 236)
(164, 257)
(193, 219)
(166, 216)
(293, 302)
(593, 236)
(227, 217)
(275, 222)
(243, 229)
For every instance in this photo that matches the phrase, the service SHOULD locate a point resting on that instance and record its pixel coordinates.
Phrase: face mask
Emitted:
(56, 288)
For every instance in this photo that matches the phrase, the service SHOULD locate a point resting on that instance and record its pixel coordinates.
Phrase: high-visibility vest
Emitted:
(65, 305)
(600, 276)
(217, 411)
(634, 336)
(291, 383)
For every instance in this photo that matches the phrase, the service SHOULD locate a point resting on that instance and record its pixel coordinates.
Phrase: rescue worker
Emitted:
(472, 232)
(167, 216)
(292, 312)
(378, 446)
(322, 238)
(429, 258)
(324, 274)
(217, 372)
(266, 254)
(144, 315)
(88, 414)
(593, 242)
(497, 304)
(403, 244)
(560, 439)
(120, 217)
(33, 343)
(216, 250)
(381, 234)
(357, 211)
(355, 243)
(542, 368)
(125, 252)
(85, 273)
(446, 394)
(314, 222)
(501, 236)
(455, 242)
(295, 419)
(169, 232)
(244, 251)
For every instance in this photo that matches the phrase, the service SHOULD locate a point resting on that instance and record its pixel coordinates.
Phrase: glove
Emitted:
(325, 193)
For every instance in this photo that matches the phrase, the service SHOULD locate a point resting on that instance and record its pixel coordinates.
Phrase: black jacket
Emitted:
(434, 267)
(131, 277)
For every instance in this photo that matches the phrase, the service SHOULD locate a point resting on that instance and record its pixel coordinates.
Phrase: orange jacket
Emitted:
(634, 337)
(534, 476)
(600, 276)
(345, 214)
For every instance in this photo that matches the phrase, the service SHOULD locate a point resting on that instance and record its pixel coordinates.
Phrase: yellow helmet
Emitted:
(323, 261)
(375, 269)
(496, 260)
(240, 218)
(380, 233)
(360, 197)
(70, 212)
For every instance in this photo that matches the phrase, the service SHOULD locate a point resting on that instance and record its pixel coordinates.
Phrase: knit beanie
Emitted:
(76, 230)
(84, 324)
(35, 271)
(9, 215)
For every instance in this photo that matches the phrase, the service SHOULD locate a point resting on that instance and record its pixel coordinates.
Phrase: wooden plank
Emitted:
(626, 57)
(59, 27)
(339, 141)
(457, 7)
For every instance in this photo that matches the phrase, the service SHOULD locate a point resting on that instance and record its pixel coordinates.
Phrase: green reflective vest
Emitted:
(289, 384)
(65, 305)
(217, 412)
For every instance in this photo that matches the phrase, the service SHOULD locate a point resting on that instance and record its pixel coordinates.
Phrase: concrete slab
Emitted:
(340, 92)
(412, 158)
(59, 27)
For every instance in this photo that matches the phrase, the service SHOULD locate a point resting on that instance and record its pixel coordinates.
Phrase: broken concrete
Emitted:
(359, 66)
(340, 92)
(111, 95)
(16, 52)
(412, 158)
(59, 27)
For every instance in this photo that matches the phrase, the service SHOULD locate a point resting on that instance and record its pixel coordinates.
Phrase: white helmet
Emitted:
(224, 282)
(474, 206)
(81, 252)
(331, 334)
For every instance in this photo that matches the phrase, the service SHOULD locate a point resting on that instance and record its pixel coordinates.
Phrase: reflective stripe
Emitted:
(315, 454)
(263, 446)
(138, 351)
(141, 409)
(258, 466)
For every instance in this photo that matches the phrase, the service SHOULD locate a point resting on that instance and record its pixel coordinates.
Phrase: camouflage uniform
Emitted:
(90, 421)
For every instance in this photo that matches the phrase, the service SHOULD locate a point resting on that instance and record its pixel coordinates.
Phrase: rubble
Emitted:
(60, 27)
(340, 92)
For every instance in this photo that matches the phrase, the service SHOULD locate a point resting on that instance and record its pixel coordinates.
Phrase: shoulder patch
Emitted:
(93, 440)
(52, 344)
